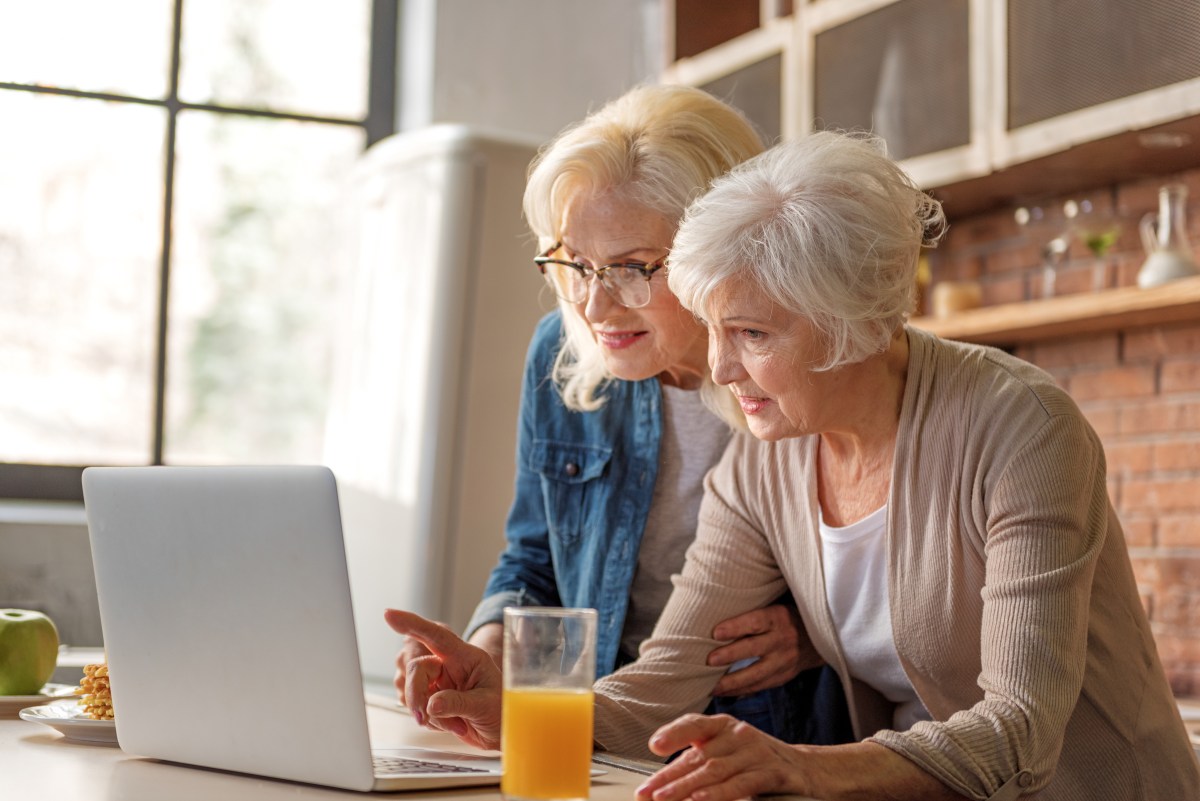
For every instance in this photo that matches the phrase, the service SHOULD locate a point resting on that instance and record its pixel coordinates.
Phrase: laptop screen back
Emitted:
(227, 621)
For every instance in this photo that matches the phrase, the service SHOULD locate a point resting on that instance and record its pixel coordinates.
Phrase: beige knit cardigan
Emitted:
(1013, 603)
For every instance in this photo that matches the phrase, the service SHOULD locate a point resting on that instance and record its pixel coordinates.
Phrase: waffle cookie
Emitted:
(96, 699)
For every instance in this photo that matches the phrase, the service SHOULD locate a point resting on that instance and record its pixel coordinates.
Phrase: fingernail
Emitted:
(420, 717)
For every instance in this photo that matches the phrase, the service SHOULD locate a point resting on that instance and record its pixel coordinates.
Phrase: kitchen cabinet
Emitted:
(968, 93)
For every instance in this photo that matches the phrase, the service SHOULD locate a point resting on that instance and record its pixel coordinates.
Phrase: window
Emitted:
(169, 181)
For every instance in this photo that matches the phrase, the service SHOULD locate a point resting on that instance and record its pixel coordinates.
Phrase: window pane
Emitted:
(118, 46)
(302, 56)
(252, 287)
(80, 222)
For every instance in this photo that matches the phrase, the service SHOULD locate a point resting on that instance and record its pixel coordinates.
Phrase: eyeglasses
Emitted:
(628, 283)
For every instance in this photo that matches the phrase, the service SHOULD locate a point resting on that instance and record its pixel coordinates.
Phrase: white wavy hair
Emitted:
(828, 227)
(659, 146)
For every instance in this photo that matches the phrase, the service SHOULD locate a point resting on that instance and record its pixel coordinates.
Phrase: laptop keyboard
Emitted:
(397, 766)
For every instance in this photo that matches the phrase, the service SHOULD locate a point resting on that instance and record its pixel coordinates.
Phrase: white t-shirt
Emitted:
(693, 439)
(856, 586)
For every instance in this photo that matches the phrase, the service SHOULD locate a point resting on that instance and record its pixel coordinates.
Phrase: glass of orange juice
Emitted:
(546, 728)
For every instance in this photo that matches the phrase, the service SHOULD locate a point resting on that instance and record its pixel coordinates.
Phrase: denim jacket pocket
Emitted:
(571, 492)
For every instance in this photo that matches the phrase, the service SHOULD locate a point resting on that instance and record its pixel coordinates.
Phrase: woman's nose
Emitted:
(599, 304)
(726, 368)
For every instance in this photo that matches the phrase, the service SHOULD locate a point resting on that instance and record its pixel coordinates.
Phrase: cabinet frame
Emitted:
(992, 146)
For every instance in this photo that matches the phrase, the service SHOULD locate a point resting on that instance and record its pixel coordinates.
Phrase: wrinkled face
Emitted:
(765, 355)
(658, 339)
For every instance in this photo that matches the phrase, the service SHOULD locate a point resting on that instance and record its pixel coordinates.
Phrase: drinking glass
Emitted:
(546, 731)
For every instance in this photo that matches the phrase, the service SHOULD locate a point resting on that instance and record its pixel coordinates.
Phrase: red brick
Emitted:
(1181, 531)
(1127, 267)
(1184, 681)
(1181, 571)
(1034, 285)
(1176, 649)
(1139, 531)
(1173, 340)
(1178, 454)
(1145, 569)
(1178, 606)
(1007, 290)
(1006, 261)
(1101, 349)
(1129, 458)
(1115, 382)
(1136, 199)
(1161, 495)
(1181, 376)
(1159, 417)
(1147, 602)
(955, 266)
(1104, 419)
(1081, 277)
(987, 228)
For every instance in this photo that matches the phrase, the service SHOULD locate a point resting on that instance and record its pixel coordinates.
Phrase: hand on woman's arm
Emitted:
(456, 687)
(775, 636)
(729, 759)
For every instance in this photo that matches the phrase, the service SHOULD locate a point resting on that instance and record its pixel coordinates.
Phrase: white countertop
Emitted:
(39, 763)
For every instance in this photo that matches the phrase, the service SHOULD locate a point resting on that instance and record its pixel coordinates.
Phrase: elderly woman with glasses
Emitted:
(938, 510)
(614, 439)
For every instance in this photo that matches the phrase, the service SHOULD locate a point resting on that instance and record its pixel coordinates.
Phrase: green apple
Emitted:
(28, 651)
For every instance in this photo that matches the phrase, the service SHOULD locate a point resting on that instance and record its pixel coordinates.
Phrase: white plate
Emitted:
(10, 705)
(69, 720)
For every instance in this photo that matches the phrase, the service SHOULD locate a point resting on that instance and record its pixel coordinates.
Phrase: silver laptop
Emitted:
(225, 604)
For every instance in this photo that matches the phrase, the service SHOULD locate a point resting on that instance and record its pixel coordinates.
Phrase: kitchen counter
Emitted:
(41, 763)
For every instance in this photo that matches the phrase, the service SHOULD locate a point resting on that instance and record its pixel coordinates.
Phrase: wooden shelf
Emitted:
(1072, 315)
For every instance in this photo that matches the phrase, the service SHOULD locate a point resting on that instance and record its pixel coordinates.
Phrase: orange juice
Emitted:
(546, 743)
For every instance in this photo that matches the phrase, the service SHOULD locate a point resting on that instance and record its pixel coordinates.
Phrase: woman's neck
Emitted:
(854, 461)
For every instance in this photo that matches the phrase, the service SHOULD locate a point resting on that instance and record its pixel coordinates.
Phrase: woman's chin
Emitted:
(627, 371)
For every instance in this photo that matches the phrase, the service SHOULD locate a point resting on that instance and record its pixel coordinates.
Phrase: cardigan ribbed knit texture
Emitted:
(1013, 603)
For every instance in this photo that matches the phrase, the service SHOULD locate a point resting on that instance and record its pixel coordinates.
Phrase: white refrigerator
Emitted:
(443, 298)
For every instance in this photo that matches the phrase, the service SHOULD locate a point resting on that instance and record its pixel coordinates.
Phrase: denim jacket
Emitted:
(583, 490)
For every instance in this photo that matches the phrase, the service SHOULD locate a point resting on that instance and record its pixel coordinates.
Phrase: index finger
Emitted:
(437, 638)
(687, 730)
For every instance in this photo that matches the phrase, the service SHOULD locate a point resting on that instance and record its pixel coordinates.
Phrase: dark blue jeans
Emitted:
(810, 709)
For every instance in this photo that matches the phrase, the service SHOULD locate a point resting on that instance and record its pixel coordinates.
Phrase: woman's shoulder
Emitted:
(987, 379)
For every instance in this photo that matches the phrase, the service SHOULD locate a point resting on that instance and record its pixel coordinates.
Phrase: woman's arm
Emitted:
(729, 570)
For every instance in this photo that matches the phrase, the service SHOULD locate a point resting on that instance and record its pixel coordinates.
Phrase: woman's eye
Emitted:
(752, 333)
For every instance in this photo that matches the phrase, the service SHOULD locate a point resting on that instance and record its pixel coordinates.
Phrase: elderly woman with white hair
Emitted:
(938, 510)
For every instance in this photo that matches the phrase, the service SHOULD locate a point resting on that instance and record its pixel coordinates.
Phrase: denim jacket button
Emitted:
(571, 469)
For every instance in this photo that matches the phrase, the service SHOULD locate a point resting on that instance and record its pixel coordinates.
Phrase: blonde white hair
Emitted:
(658, 146)
(827, 227)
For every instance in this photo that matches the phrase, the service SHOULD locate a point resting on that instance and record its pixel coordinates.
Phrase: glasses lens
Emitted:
(567, 282)
(627, 285)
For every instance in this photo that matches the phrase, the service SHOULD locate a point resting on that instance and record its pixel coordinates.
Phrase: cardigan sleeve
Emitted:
(1046, 522)
(729, 569)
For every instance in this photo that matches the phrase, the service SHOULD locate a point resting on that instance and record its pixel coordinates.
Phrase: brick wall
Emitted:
(1140, 388)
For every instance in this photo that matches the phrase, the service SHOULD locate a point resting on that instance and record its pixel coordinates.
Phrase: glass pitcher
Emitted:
(1164, 235)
